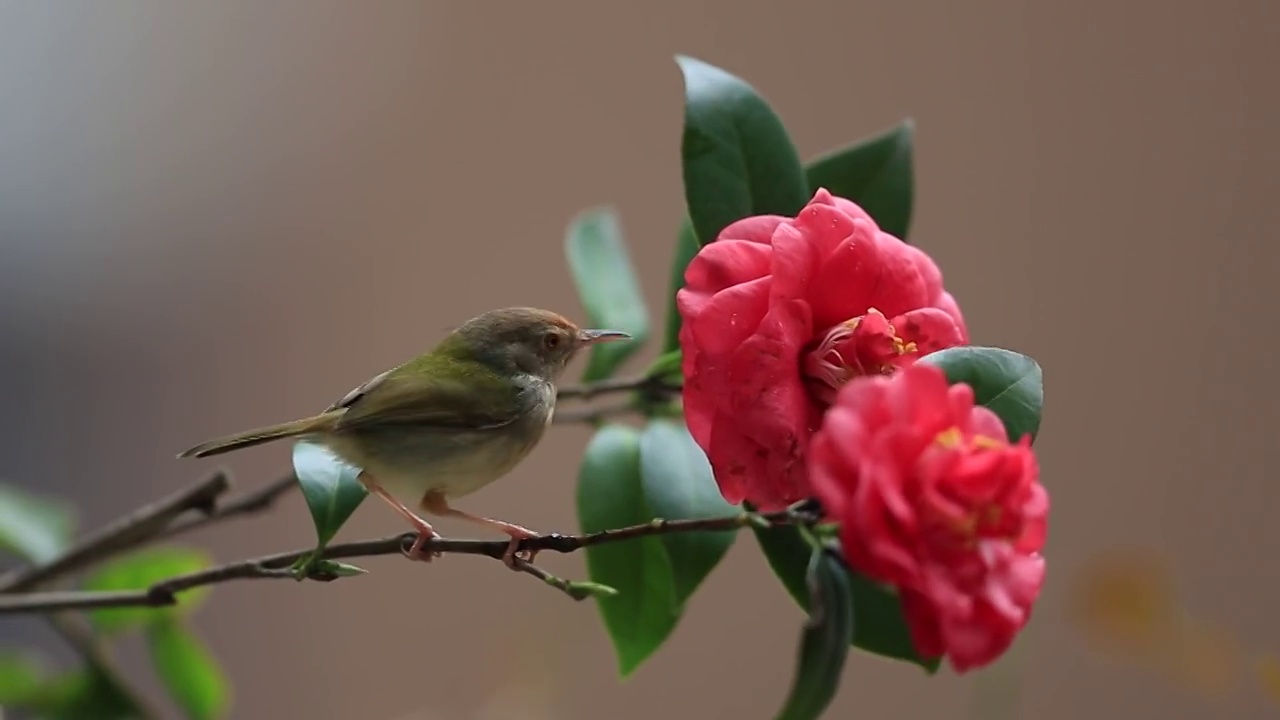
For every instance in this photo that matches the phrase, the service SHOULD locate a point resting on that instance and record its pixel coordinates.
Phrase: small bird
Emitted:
(449, 422)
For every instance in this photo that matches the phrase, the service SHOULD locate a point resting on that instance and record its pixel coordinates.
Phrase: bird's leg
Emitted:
(425, 531)
(434, 502)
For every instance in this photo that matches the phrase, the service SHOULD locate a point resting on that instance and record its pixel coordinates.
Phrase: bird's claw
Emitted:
(415, 551)
(514, 552)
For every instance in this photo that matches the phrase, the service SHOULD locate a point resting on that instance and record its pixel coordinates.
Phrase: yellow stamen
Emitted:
(991, 514)
(900, 346)
(951, 437)
(986, 443)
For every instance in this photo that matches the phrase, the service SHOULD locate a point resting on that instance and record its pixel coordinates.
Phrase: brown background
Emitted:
(217, 215)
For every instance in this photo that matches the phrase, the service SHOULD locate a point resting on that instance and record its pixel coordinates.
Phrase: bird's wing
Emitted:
(359, 391)
(413, 394)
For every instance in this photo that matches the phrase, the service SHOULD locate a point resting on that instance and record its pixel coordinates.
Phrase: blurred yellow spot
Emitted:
(1208, 659)
(1269, 675)
(1128, 603)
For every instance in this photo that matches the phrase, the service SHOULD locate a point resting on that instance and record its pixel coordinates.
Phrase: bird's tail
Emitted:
(249, 438)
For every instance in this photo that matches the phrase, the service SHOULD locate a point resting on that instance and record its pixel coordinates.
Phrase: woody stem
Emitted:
(277, 566)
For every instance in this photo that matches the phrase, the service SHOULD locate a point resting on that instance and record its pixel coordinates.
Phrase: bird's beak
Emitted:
(588, 337)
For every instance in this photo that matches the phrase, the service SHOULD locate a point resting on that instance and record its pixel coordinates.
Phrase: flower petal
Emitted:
(866, 269)
(720, 266)
(926, 268)
(707, 340)
(795, 261)
(953, 524)
(947, 304)
(922, 621)
(825, 226)
(771, 405)
(918, 397)
(698, 402)
(756, 229)
(728, 318)
(986, 423)
(931, 329)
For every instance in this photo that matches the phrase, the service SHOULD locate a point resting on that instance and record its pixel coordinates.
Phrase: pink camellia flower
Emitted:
(778, 314)
(933, 499)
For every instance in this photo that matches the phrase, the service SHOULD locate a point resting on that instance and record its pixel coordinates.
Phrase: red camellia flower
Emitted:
(933, 499)
(778, 314)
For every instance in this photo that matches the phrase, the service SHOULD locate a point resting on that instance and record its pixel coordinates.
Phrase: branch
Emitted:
(575, 591)
(181, 512)
(591, 416)
(249, 503)
(281, 565)
(196, 507)
(74, 630)
(128, 531)
(648, 384)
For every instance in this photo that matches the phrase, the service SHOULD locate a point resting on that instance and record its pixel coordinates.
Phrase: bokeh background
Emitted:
(216, 215)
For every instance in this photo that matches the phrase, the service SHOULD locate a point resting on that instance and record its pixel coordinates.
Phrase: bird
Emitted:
(448, 422)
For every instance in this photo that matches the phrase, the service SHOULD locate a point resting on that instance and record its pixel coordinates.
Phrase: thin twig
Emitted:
(647, 383)
(279, 566)
(180, 513)
(168, 517)
(125, 532)
(249, 503)
(77, 634)
(554, 581)
(197, 507)
(592, 416)
(70, 600)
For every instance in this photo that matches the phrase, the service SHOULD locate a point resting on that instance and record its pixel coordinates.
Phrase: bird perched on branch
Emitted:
(449, 422)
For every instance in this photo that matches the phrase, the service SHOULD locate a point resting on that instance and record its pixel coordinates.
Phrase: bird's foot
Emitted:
(517, 534)
(416, 551)
(425, 532)
(435, 503)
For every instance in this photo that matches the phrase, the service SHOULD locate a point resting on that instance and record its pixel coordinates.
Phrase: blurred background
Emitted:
(217, 215)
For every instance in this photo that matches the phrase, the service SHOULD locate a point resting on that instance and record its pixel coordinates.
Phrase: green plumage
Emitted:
(449, 422)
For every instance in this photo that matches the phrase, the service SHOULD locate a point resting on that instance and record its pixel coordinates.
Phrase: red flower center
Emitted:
(962, 522)
(865, 345)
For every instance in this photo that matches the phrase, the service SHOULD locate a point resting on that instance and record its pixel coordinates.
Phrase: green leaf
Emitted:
(21, 676)
(332, 569)
(876, 174)
(686, 248)
(76, 695)
(738, 160)
(593, 589)
(880, 627)
(36, 528)
(331, 487)
(1009, 384)
(608, 287)
(787, 553)
(824, 643)
(138, 571)
(611, 495)
(96, 696)
(667, 368)
(188, 670)
(678, 485)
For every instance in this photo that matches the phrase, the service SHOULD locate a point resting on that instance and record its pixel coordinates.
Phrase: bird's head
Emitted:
(525, 340)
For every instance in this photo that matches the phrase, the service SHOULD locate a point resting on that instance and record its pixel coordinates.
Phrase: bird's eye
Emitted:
(551, 340)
